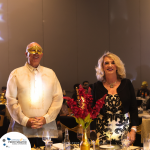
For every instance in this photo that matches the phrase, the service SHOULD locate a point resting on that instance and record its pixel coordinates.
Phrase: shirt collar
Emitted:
(32, 68)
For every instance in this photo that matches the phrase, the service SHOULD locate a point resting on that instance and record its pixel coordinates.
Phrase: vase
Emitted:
(84, 145)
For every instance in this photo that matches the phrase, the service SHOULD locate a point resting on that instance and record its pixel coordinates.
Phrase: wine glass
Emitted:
(93, 137)
(125, 140)
(46, 137)
(80, 133)
(109, 132)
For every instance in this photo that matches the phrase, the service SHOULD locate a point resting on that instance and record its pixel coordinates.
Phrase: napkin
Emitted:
(58, 145)
(134, 147)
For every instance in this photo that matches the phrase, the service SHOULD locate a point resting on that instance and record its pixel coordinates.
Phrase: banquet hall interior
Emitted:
(74, 34)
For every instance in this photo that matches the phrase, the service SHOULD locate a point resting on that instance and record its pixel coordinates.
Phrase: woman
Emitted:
(120, 100)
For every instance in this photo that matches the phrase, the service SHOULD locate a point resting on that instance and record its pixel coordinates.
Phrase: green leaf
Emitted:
(87, 118)
(77, 120)
(88, 123)
(82, 122)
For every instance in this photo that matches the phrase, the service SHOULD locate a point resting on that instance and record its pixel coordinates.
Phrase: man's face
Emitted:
(34, 54)
(85, 85)
(3, 91)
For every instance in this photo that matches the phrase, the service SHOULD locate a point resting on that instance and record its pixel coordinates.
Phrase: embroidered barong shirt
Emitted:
(33, 92)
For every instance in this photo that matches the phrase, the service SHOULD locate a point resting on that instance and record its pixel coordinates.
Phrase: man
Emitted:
(34, 96)
(143, 92)
(2, 95)
(85, 85)
(4, 89)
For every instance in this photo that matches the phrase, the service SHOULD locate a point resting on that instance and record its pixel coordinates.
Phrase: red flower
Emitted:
(85, 107)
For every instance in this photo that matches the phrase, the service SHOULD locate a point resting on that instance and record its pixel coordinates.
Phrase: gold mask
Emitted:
(35, 50)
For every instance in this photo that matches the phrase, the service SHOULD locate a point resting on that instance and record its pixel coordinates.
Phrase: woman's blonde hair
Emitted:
(121, 72)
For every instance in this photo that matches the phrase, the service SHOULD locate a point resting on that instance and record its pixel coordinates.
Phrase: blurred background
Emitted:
(74, 34)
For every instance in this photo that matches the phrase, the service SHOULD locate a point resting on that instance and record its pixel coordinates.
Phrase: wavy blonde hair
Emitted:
(121, 72)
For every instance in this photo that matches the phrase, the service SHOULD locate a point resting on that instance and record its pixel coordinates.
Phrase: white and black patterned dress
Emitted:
(112, 119)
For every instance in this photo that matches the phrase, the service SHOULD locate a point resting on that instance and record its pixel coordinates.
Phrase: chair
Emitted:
(1, 120)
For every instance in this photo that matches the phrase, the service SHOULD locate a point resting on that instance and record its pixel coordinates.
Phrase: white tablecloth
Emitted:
(145, 126)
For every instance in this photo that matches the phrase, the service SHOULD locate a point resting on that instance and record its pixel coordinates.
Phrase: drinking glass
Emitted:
(46, 138)
(144, 104)
(146, 144)
(125, 140)
(93, 142)
(109, 132)
(80, 133)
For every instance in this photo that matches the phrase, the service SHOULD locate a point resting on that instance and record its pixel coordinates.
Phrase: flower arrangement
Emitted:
(82, 107)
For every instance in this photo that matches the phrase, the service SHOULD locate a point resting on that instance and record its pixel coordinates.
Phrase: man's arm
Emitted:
(12, 102)
(56, 102)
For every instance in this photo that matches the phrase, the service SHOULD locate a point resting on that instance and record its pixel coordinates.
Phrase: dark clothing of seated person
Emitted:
(74, 96)
(2, 109)
(64, 109)
(143, 92)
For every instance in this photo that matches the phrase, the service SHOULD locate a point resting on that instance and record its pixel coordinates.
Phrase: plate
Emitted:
(146, 116)
(58, 145)
(134, 147)
(42, 148)
(106, 146)
(140, 98)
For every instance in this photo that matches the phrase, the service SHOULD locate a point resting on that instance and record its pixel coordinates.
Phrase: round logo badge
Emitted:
(14, 141)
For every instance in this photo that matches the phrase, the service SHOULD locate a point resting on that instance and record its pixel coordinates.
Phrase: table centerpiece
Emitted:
(83, 111)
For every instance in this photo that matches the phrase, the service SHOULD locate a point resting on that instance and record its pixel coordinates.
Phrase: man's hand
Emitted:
(30, 122)
(36, 122)
(40, 121)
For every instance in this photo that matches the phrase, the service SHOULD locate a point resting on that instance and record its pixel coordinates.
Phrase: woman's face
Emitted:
(109, 66)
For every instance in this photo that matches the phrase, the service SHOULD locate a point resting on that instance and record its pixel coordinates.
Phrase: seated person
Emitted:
(2, 107)
(74, 96)
(64, 109)
(85, 85)
(143, 92)
(3, 89)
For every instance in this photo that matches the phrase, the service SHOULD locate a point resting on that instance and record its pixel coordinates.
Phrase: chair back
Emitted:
(1, 120)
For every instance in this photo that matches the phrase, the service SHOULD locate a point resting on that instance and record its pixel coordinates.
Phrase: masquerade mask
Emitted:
(35, 50)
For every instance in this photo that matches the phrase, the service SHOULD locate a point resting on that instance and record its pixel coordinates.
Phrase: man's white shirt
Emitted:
(33, 92)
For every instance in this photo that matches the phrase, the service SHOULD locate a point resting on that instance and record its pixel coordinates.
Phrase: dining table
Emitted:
(142, 101)
(145, 125)
(59, 146)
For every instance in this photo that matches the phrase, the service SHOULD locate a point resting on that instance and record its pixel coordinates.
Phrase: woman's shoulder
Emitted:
(99, 86)
(125, 83)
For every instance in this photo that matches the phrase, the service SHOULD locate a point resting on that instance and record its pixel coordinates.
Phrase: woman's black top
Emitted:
(127, 96)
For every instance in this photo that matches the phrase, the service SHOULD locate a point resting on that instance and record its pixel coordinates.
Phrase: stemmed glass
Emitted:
(80, 133)
(125, 140)
(109, 132)
(46, 137)
(93, 137)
